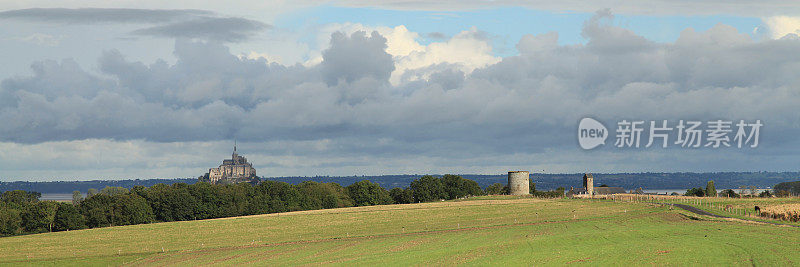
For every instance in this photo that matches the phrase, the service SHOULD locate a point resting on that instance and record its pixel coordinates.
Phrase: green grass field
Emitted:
(480, 231)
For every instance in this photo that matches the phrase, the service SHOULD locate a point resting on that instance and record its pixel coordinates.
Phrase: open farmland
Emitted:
(773, 210)
(498, 230)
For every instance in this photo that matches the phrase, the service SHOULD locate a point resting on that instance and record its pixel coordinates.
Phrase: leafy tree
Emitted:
(10, 220)
(312, 195)
(366, 193)
(782, 193)
(39, 217)
(259, 202)
(330, 202)
(698, 192)
(282, 196)
(233, 199)
(728, 193)
(114, 191)
(68, 217)
(139, 190)
(97, 210)
(549, 194)
(472, 188)
(428, 188)
(791, 188)
(338, 197)
(172, 202)
(765, 193)
(130, 209)
(457, 187)
(323, 195)
(531, 187)
(77, 197)
(209, 200)
(496, 189)
(121, 209)
(561, 190)
(19, 199)
(453, 186)
(711, 191)
(558, 193)
(402, 195)
(91, 192)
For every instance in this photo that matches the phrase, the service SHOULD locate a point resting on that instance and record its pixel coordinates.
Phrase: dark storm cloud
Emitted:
(101, 15)
(207, 28)
(522, 104)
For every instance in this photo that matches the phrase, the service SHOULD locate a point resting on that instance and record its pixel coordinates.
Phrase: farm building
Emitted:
(589, 189)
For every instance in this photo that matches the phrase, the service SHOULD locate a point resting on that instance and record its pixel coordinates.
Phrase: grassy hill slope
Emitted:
(520, 231)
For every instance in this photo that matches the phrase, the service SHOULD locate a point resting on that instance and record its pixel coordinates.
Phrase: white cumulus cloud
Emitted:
(780, 26)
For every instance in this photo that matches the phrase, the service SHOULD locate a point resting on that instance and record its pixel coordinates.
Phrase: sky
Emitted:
(146, 89)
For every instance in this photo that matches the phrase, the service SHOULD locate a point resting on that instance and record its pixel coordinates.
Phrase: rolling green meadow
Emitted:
(477, 231)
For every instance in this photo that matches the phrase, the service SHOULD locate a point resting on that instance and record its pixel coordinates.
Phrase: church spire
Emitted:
(234, 156)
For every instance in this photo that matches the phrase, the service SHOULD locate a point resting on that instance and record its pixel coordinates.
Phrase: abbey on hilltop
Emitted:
(234, 170)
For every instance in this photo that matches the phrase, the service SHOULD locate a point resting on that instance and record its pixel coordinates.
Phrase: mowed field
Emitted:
(480, 231)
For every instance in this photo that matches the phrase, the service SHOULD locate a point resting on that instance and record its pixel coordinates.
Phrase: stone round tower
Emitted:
(518, 183)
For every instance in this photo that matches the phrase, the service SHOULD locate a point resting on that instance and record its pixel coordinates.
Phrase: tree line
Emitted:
(787, 189)
(784, 189)
(22, 212)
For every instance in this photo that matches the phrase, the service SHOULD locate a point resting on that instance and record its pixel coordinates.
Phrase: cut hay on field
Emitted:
(786, 212)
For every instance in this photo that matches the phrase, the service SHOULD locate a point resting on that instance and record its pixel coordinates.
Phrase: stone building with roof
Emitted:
(589, 190)
(233, 170)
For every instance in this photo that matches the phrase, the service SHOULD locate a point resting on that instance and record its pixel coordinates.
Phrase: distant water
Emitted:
(56, 197)
(682, 191)
(664, 191)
